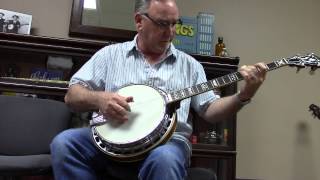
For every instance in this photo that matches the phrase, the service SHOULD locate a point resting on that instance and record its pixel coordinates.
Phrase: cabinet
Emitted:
(214, 145)
(218, 152)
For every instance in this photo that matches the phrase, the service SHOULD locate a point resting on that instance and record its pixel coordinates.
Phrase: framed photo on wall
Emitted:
(15, 22)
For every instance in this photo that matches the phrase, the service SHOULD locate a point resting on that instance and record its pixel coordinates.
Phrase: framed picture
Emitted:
(14, 22)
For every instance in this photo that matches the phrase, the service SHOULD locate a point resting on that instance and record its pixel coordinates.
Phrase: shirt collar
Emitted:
(133, 46)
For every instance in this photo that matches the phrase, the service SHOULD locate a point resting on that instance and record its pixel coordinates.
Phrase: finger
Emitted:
(124, 105)
(251, 74)
(129, 99)
(243, 70)
(119, 110)
(121, 118)
(261, 67)
(252, 69)
(114, 115)
(262, 70)
(249, 69)
(124, 102)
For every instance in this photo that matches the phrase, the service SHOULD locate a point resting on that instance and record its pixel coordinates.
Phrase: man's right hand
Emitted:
(113, 106)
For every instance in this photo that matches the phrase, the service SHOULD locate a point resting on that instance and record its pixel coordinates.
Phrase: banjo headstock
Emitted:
(310, 60)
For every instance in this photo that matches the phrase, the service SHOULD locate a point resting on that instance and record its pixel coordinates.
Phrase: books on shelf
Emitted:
(29, 85)
(41, 83)
(45, 74)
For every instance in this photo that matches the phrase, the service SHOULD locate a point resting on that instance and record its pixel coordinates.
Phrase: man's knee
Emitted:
(164, 161)
(59, 145)
(165, 156)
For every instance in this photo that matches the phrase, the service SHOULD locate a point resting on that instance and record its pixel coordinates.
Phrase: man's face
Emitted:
(157, 28)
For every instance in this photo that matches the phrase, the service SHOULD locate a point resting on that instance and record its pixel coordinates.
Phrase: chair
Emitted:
(27, 126)
(194, 173)
(197, 173)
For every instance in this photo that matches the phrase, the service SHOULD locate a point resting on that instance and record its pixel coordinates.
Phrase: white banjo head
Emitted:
(147, 112)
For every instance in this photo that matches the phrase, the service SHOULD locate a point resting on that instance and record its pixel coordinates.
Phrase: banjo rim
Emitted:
(141, 154)
(137, 149)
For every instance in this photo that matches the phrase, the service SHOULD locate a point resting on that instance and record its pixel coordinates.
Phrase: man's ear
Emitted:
(138, 21)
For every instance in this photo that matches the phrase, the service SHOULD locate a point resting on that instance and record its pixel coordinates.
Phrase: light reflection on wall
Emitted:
(90, 4)
(109, 13)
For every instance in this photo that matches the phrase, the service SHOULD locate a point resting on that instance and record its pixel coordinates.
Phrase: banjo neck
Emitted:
(297, 61)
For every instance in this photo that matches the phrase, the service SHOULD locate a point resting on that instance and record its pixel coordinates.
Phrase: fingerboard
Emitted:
(217, 83)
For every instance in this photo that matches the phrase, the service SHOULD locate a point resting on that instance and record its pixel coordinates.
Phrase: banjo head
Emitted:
(147, 111)
(148, 125)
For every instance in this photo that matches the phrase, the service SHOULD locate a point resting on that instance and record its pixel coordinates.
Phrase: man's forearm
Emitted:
(223, 108)
(82, 99)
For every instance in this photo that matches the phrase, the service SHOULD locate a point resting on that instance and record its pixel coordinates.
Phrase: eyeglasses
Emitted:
(163, 24)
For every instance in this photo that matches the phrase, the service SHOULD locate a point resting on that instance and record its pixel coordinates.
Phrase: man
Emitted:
(2, 22)
(13, 25)
(149, 59)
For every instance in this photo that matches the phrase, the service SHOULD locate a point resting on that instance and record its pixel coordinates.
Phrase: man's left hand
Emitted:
(254, 75)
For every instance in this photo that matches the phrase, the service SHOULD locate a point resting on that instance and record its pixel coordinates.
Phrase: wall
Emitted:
(49, 18)
(277, 136)
(114, 14)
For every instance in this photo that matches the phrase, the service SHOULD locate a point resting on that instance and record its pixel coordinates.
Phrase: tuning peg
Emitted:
(312, 70)
(298, 69)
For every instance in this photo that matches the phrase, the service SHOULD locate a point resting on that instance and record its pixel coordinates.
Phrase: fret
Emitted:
(281, 62)
(204, 87)
(186, 92)
(196, 89)
(215, 84)
(219, 81)
(226, 79)
(239, 76)
(222, 78)
(272, 65)
(277, 64)
(210, 85)
(175, 95)
(233, 77)
(190, 90)
(182, 94)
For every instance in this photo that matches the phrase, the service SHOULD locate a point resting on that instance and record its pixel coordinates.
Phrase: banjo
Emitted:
(148, 127)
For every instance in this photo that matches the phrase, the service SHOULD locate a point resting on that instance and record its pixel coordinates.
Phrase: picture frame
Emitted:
(15, 22)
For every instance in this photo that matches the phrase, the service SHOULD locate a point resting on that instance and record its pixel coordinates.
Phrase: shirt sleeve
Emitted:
(92, 74)
(201, 102)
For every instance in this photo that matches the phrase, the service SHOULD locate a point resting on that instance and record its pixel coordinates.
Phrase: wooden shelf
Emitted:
(34, 86)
